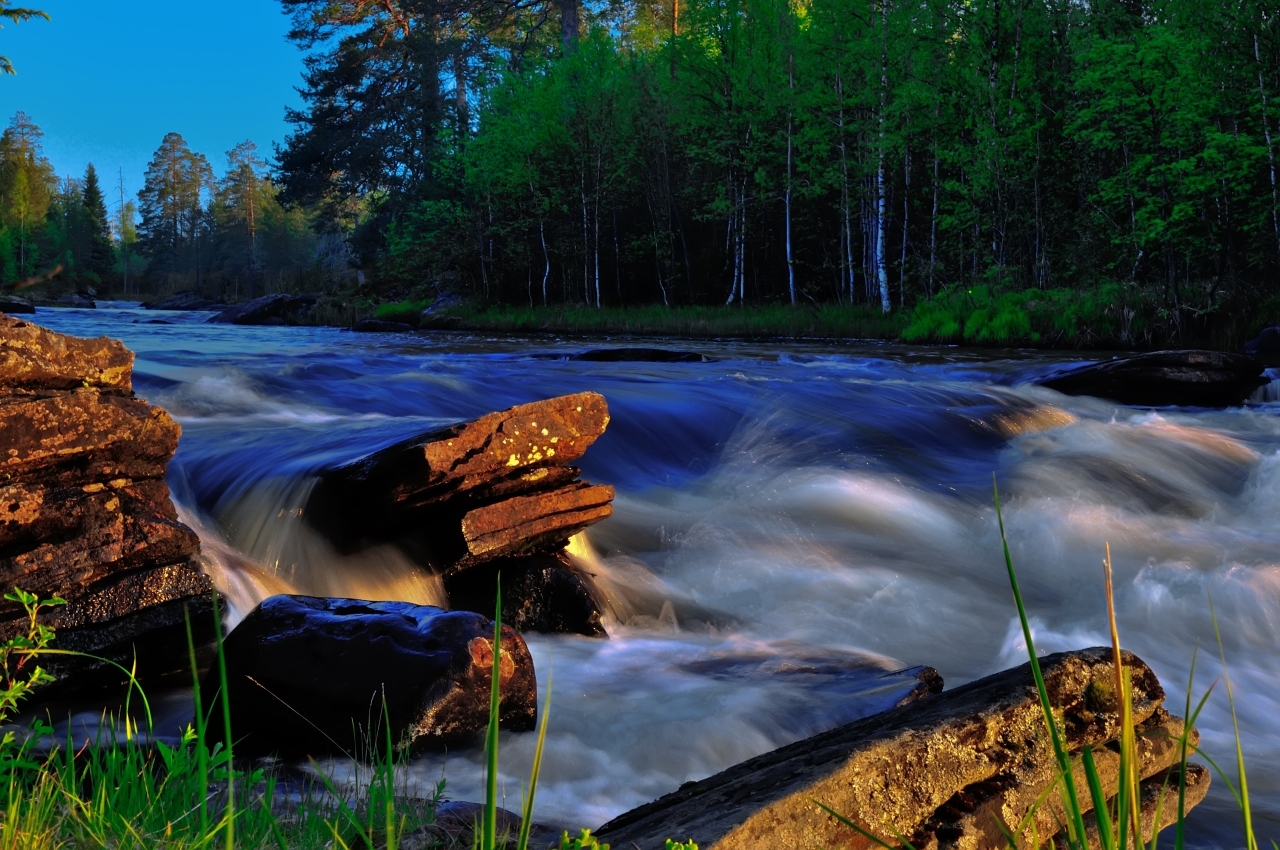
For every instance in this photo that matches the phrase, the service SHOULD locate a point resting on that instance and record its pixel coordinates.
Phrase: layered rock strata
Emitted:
(84, 510)
(495, 493)
(963, 769)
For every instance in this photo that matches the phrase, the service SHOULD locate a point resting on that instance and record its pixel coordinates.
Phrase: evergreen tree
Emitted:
(100, 256)
(27, 184)
(174, 230)
(17, 15)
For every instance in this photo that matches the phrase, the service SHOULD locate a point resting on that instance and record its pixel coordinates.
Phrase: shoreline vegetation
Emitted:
(1110, 317)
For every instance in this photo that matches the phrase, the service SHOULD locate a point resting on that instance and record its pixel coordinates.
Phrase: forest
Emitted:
(698, 152)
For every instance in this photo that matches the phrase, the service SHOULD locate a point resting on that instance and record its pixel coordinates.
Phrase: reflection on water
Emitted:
(790, 520)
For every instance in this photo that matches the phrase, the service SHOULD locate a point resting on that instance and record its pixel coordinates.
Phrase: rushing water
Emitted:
(789, 518)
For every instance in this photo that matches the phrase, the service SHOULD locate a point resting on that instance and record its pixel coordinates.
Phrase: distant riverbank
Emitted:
(1108, 317)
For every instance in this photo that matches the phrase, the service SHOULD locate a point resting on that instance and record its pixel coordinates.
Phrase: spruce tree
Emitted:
(100, 257)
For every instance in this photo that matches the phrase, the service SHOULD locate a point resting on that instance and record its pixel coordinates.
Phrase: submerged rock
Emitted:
(1165, 378)
(276, 309)
(85, 513)
(366, 326)
(953, 770)
(636, 354)
(308, 676)
(190, 299)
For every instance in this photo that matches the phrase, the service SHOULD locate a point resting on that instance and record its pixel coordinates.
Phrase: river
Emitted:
(790, 517)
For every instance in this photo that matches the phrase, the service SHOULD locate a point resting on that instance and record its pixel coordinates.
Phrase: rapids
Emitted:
(791, 520)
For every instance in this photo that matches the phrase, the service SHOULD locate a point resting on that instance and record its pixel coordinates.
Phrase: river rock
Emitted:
(540, 593)
(493, 487)
(949, 771)
(276, 309)
(82, 300)
(188, 299)
(85, 513)
(378, 326)
(308, 676)
(1164, 378)
(16, 304)
(637, 354)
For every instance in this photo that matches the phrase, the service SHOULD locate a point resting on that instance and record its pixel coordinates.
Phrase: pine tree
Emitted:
(173, 232)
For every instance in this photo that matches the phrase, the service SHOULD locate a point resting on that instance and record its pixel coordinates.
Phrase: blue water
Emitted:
(790, 519)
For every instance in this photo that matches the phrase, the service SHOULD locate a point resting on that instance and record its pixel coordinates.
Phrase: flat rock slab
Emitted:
(1166, 378)
(309, 676)
(946, 771)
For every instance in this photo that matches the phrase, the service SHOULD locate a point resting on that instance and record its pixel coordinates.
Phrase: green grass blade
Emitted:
(1251, 841)
(526, 823)
(202, 750)
(230, 816)
(879, 842)
(1106, 830)
(1076, 817)
(489, 829)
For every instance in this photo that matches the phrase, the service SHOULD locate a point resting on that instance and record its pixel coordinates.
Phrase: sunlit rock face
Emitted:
(84, 511)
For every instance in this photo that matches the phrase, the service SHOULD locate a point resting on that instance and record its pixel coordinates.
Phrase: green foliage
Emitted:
(681, 845)
(17, 654)
(16, 14)
(583, 841)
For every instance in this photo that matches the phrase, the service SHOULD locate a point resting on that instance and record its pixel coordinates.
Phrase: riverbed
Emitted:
(792, 520)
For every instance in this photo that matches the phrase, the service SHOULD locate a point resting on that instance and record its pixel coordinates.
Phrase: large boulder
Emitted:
(84, 510)
(495, 493)
(308, 676)
(276, 309)
(956, 770)
(1166, 378)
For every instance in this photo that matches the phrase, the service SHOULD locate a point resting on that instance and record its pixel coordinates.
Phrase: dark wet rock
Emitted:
(380, 326)
(493, 487)
(946, 771)
(1265, 346)
(1164, 378)
(81, 300)
(540, 593)
(454, 826)
(276, 309)
(308, 676)
(190, 299)
(14, 304)
(434, 318)
(85, 513)
(640, 355)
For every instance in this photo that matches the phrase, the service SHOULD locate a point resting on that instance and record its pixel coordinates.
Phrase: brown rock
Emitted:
(455, 470)
(524, 524)
(84, 437)
(36, 359)
(944, 771)
(84, 512)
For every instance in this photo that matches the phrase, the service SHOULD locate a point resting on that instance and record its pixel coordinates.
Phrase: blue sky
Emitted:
(106, 81)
